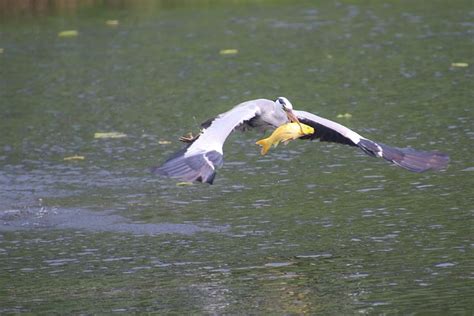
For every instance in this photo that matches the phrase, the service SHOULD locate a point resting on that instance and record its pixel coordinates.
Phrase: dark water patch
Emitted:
(99, 221)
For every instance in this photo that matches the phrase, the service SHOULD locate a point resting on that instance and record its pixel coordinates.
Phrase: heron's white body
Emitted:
(213, 137)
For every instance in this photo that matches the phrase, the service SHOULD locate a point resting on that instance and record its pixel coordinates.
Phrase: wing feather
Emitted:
(327, 130)
(214, 136)
(199, 160)
(407, 158)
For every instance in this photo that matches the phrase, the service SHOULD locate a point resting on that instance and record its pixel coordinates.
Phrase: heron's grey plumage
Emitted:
(200, 159)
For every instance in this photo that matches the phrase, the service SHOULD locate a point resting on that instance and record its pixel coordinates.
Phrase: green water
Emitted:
(311, 228)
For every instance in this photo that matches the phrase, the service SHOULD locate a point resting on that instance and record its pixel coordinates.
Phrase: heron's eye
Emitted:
(281, 101)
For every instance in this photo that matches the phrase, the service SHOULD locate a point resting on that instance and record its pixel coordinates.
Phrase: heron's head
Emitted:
(288, 108)
(284, 103)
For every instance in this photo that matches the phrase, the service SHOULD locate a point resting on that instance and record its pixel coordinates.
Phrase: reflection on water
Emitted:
(310, 228)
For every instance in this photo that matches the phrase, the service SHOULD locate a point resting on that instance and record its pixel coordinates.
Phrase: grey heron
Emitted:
(199, 160)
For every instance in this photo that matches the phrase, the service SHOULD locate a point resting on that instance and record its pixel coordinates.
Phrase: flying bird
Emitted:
(203, 154)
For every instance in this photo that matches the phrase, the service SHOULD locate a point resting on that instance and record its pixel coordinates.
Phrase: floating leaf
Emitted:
(345, 115)
(75, 157)
(68, 33)
(180, 184)
(1, 50)
(112, 22)
(460, 65)
(228, 51)
(110, 135)
(164, 142)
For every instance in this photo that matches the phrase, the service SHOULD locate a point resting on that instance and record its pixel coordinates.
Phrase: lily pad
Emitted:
(345, 115)
(459, 65)
(68, 33)
(112, 22)
(228, 51)
(110, 135)
(180, 184)
(75, 157)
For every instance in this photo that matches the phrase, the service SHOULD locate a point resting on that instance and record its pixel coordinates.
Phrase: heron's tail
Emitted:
(266, 143)
(408, 158)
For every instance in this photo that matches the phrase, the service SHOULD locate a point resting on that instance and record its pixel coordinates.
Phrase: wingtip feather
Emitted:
(407, 158)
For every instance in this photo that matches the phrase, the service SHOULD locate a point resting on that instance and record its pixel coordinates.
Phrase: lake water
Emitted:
(311, 228)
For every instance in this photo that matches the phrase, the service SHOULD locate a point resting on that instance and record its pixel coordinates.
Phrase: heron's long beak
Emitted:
(292, 117)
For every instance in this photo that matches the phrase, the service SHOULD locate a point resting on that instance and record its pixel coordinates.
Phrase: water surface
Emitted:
(309, 228)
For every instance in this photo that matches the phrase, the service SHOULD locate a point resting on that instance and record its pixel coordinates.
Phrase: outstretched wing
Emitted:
(408, 158)
(200, 159)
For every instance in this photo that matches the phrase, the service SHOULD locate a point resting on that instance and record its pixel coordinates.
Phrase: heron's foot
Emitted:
(188, 138)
